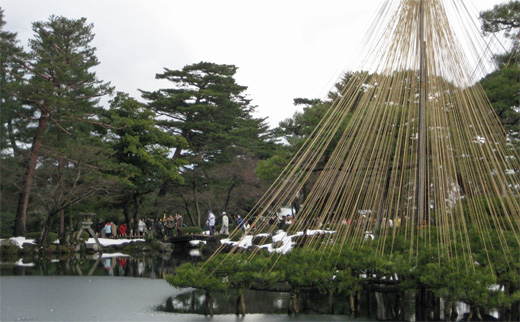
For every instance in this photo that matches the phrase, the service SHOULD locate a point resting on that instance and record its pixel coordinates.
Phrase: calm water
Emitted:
(123, 288)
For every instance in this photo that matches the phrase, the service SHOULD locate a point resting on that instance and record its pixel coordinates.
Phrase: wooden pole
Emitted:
(421, 199)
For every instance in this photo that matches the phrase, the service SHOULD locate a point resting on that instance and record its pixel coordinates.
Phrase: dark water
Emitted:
(123, 288)
(151, 266)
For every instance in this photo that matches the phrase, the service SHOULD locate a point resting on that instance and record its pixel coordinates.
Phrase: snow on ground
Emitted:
(287, 243)
(112, 242)
(196, 242)
(19, 241)
(22, 264)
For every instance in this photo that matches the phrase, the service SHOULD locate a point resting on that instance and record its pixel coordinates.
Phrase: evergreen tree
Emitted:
(63, 90)
(210, 110)
(141, 151)
(14, 132)
(503, 85)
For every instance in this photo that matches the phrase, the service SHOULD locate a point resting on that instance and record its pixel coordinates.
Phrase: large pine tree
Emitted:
(207, 107)
(63, 90)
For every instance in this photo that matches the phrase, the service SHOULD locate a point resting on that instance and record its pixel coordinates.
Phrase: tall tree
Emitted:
(210, 110)
(141, 151)
(14, 125)
(502, 86)
(14, 130)
(60, 85)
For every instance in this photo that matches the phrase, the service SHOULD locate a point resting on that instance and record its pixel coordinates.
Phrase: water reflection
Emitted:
(369, 304)
(144, 265)
(256, 302)
(381, 306)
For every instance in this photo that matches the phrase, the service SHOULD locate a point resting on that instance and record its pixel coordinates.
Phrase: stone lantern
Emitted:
(86, 222)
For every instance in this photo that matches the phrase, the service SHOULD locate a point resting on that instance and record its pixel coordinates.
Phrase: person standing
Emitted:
(178, 224)
(108, 230)
(122, 230)
(159, 228)
(211, 222)
(225, 224)
(141, 225)
(170, 224)
(239, 222)
(114, 230)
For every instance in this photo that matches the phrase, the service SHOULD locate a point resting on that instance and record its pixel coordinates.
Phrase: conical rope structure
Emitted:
(370, 186)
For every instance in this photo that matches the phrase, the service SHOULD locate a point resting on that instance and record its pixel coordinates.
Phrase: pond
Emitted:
(121, 287)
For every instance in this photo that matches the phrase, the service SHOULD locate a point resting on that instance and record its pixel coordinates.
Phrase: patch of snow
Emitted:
(19, 241)
(194, 252)
(111, 242)
(280, 236)
(22, 264)
(479, 139)
(197, 242)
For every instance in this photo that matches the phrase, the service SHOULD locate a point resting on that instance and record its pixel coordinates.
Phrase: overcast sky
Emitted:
(284, 49)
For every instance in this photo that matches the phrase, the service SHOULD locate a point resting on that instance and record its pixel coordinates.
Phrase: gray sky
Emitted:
(284, 49)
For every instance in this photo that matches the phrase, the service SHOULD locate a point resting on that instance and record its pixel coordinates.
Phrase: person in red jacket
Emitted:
(122, 230)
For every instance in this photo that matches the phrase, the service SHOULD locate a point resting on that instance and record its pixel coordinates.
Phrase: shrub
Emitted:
(237, 235)
(51, 238)
(84, 236)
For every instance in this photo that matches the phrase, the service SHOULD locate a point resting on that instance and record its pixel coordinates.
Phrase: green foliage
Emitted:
(141, 148)
(268, 170)
(504, 16)
(6, 228)
(347, 271)
(84, 236)
(502, 87)
(236, 235)
(210, 111)
(51, 237)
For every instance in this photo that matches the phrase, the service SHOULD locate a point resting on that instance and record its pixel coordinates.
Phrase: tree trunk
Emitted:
(195, 196)
(23, 199)
(128, 219)
(208, 310)
(62, 223)
(228, 197)
(137, 205)
(331, 302)
(352, 305)
(240, 307)
(187, 207)
(294, 307)
(47, 224)
(421, 309)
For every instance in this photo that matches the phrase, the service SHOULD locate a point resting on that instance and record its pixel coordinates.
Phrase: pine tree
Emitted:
(63, 90)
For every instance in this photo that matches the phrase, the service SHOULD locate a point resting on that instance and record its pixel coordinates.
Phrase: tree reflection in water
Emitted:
(143, 265)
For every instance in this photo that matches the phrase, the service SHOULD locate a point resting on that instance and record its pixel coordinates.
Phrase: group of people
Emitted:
(111, 230)
(224, 230)
(145, 227)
